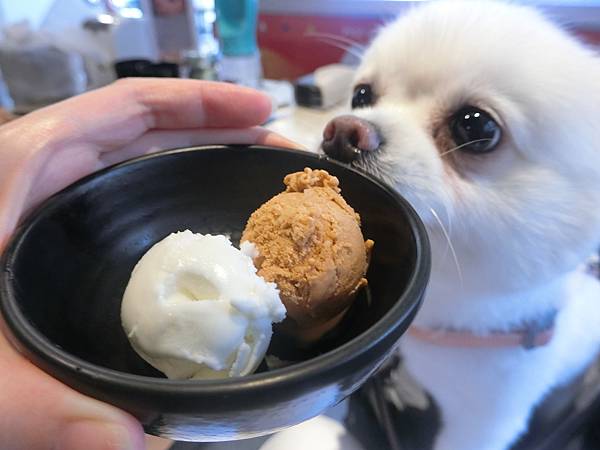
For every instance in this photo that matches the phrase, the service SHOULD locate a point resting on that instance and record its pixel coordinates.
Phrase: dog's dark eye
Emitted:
(474, 130)
(363, 96)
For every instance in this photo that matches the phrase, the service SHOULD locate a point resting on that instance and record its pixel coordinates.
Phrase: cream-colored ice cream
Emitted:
(311, 245)
(195, 307)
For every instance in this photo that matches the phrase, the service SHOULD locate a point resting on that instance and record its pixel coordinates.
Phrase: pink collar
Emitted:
(530, 336)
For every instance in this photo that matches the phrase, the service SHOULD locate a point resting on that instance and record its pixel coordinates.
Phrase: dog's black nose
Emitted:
(345, 137)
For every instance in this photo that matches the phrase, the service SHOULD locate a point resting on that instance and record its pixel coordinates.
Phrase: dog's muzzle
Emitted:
(346, 137)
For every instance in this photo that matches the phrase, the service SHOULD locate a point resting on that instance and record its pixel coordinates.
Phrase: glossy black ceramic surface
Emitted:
(66, 268)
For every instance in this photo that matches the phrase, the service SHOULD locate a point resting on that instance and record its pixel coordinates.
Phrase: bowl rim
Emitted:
(24, 335)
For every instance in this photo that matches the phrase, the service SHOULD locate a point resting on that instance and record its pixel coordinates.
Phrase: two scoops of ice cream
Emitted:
(197, 307)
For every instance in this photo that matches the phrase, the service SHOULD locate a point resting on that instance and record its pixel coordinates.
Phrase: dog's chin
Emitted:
(413, 188)
(527, 257)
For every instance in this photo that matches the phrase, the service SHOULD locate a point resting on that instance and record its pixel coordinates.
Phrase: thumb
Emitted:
(37, 412)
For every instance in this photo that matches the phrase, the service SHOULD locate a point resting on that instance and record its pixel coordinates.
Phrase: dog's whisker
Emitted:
(447, 247)
(352, 50)
(449, 219)
(335, 37)
(464, 145)
(450, 246)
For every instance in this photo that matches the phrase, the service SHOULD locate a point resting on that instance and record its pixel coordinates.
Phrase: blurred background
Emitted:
(301, 52)
(52, 49)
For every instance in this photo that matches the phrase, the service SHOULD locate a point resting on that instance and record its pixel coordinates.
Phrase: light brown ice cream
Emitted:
(310, 244)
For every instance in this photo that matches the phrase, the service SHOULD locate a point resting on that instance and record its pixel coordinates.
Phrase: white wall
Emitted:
(33, 10)
(51, 14)
(575, 12)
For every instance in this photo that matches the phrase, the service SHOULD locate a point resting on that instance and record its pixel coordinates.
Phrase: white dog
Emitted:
(486, 117)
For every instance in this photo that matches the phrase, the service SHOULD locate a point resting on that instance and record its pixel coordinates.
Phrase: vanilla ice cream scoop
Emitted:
(195, 307)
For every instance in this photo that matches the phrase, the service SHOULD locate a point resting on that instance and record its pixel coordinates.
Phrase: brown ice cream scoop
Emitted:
(310, 244)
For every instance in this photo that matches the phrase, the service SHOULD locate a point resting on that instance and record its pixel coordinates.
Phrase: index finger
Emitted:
(125, 110)
(179, 103)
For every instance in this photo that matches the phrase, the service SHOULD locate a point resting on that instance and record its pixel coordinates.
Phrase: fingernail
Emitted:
(93, 435)
(280, 141)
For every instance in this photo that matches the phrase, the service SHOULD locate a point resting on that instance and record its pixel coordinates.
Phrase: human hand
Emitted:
(49, 149)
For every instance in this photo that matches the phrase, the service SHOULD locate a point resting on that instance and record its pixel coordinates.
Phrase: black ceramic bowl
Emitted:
(66, 268)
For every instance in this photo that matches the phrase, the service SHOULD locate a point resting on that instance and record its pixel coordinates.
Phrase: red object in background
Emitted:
(589, 36)
(294, 45)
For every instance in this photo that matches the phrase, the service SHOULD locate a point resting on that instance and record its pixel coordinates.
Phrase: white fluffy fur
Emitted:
(521, 219)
